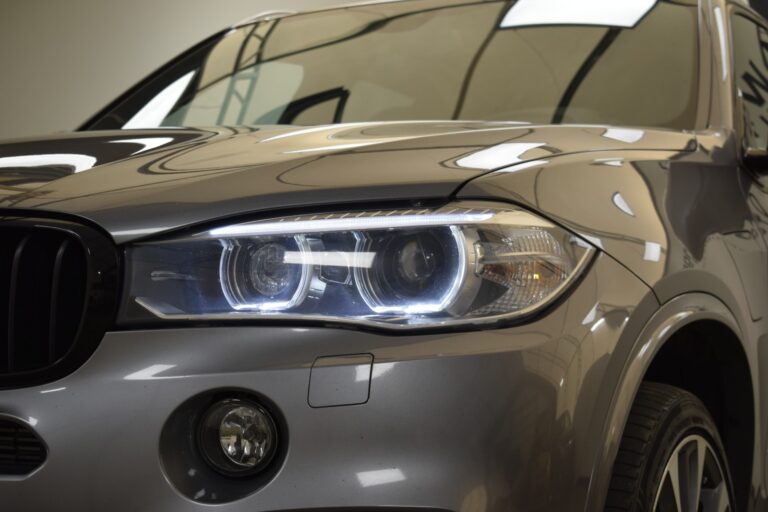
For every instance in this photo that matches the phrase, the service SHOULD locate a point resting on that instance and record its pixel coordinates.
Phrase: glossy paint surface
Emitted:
(473, 421)
(215, 175)
(527, 417)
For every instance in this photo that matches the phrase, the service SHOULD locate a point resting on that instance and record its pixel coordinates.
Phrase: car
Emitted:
(433, 255)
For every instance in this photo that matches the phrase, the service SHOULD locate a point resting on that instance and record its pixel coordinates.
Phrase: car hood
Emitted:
(138, 183)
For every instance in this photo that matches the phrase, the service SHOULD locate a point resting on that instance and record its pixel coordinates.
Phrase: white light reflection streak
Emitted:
(613, 162)
(622, 204)
(139, 232)
(330, 259)
(496, 157)
(54, 390)
(628, 135)
(349, 224)
(147, 144)
(611, 13)
(150, 372)
(523, 166)
(362, 372)
(76, 161)
(652, 251)
(158, 108)
(721, 38)
(380, 477)
(593, 240)
(381, 369)
(590, 316)
(597, 325)
(315, 129)
(337, 147)
(644, 349)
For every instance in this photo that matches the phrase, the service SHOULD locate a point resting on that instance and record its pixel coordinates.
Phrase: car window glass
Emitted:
(750, 64)
(443, 60)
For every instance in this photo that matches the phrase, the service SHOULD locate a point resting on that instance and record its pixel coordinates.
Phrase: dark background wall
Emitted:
(63, 60)
(761, 6)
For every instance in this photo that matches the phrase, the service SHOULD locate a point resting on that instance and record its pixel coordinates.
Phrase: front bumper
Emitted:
(493, 420)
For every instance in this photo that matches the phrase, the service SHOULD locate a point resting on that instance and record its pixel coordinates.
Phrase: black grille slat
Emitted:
(21, 451)
(70, 298)
(10, 241)
(59, 286)
(33, 300)
(13, 286)
(45, 280)
(55, 290)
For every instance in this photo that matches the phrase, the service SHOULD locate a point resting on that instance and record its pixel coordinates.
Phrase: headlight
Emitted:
(464, 263)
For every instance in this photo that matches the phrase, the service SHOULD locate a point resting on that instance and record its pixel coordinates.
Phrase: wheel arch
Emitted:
(675, 322)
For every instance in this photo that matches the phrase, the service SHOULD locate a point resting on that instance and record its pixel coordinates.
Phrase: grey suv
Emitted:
(426, 255)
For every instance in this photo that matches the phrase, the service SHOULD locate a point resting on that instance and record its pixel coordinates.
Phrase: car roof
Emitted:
(267, 15)
(281, 13)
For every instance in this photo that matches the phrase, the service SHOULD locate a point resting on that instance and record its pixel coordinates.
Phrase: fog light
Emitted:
(238, 437)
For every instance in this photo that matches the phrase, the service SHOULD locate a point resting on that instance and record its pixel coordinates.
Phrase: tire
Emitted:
(667, 437)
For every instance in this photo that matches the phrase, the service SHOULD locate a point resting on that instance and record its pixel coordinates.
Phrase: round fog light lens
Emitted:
(238, 437)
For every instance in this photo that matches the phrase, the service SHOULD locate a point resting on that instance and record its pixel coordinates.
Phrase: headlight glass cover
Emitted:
(461, 264)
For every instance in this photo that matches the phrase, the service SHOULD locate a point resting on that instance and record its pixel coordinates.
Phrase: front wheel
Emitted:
(671, 458)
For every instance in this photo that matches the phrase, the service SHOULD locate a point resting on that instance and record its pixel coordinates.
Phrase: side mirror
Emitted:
(756, 160)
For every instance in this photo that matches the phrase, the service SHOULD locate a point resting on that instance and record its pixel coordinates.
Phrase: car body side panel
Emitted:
(635, 359)
(684, 223)
(658, 213)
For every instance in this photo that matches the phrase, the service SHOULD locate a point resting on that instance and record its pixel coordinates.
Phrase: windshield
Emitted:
(632, 62)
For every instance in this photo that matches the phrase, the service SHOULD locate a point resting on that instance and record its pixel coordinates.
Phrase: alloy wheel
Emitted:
(693, 480)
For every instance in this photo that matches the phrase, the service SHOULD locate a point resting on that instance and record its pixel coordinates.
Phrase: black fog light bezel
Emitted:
(183, 464)
(210, 447)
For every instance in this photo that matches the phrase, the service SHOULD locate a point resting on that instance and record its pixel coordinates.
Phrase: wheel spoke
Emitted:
(690, 467)
(715, 500)
(723, 502)
(697, 471)
(673, 477)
